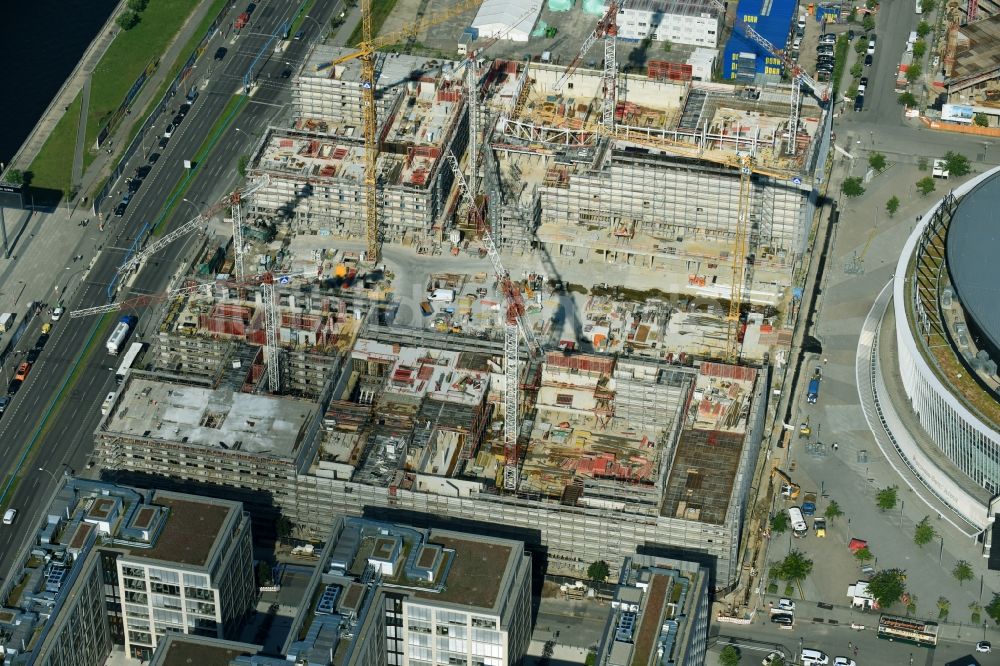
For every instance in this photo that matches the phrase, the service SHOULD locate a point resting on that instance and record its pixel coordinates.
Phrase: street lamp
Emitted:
(193, 205)
(53, 474)
(318, 24)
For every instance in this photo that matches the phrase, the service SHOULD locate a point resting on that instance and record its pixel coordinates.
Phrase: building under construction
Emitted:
(661, 191)
(317, 166)
(615, 454)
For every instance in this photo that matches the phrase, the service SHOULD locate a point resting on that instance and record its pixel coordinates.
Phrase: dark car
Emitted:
(183, 110)
(859, 102)
(177, 120)
(286, 73)
(134, 184)
(143, 171)
(14, 385)
(42, 339)
(32, 355)
(863, 82)
(252, 6)
(120, 209)
(163, 142)
(153, 158)
(4, 401)
(299, 35)
(221, 52)
(783, 618)
(868, 60)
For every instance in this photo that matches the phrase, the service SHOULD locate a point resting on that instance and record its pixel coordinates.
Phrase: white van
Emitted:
(813, 657)
(9, 516)
(106, 405)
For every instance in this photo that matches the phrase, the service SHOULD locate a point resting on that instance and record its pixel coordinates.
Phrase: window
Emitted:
(564, 400)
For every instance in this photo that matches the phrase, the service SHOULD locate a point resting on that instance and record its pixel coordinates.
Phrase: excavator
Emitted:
(789, 490)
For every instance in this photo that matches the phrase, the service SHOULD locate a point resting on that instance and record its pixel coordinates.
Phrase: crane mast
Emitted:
(514, 327)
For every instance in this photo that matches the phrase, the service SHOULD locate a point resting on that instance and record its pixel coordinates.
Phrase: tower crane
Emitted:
(366, 54)
(265, 281)
(234, 200)
(606, 29)
(513, 324)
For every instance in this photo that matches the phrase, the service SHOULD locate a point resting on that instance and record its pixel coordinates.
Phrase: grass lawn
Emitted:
(129, 54)
(53, 167)
(380, 12)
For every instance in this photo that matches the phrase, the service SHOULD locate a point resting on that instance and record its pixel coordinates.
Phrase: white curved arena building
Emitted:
(946, 316)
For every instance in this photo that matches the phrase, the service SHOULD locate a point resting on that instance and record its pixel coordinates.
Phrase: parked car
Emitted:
(771, 658)
(252, 6)
(59, 310)
(859, 102)
(134, 184)
(863, 81)
(32, 355)
(786, 604)
(168, 132)
(221, 52)
(163, 142)
(984, 646)
(42, 339)
(786, 619)
(14, 386)
(4, 401)
(177, 120)
(183, 110)
(152, 158)
(299, 35)
(844, 661)
(120, 209)
(868, 60)
(828, 38)
(143, 171)
(871, 45)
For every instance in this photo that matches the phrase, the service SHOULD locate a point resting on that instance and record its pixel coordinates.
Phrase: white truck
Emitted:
(120, 335)
(6, 321)
(442, 296)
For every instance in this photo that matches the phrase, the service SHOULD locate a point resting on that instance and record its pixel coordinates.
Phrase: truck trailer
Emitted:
(120, 335)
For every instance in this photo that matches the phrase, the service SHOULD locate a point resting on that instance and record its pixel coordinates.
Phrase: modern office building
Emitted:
(659, 615)
(693, 22)
(392, 594)
(943, 334)
(117, 565)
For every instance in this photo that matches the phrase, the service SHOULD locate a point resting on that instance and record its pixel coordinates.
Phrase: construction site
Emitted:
(516, 294)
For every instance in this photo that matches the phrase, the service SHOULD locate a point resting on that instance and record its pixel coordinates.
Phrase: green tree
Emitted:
(871, 4)
(14, 176)
(923, 29)
(852, 187)
(962, 572)
(925, 185)
(993, 608)
(919, 49)
(283, 527)
(914, 72)
(924, 532)
(857, 69)
(944, 607)
(927, 6)
(922, 164)
(911, 604)
(127, 20)
(833, 510)
(779, 523)
(868, 23)
(877, 161)
(886, 498)
(795, 567)
(888, 587)
(863, 554)
(263, 573)
(958, 164)
(730, 656)
(892, 205)
(666, 46)
(860, 46)
(137, 5)
(241, 166)
(907, 99)
(981, 120)
(599, 571)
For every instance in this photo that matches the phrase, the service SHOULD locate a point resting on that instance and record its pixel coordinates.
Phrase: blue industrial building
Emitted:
(743, 60)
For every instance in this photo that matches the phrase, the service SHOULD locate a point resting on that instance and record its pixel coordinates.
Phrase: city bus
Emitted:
(131, 357)
(908, 630)
(799, 527)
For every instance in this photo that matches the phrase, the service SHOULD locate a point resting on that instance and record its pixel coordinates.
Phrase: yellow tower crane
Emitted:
(366, 54)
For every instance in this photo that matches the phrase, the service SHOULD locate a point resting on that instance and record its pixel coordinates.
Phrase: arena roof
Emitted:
(973, 246)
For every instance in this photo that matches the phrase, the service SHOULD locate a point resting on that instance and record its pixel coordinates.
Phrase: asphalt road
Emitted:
(66, 441)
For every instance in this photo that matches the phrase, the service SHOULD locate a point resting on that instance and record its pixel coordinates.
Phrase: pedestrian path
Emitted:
(81, 135)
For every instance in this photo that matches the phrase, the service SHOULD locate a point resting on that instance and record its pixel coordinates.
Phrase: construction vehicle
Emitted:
(809, 504)
(819, 526)
(805, 430)
(241, 20)
(789, 490)
(366, 54)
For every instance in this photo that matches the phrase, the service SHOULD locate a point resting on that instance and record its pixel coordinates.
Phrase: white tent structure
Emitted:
(501, 17)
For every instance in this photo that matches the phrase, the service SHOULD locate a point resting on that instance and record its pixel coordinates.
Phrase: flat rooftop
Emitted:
(184, 650)
(189, 534)
(211, 418)
(977, 50)
(478, 570)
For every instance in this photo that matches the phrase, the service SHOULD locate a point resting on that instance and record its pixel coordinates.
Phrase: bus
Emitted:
(908, 630)
(132, 357)
(799, 527)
